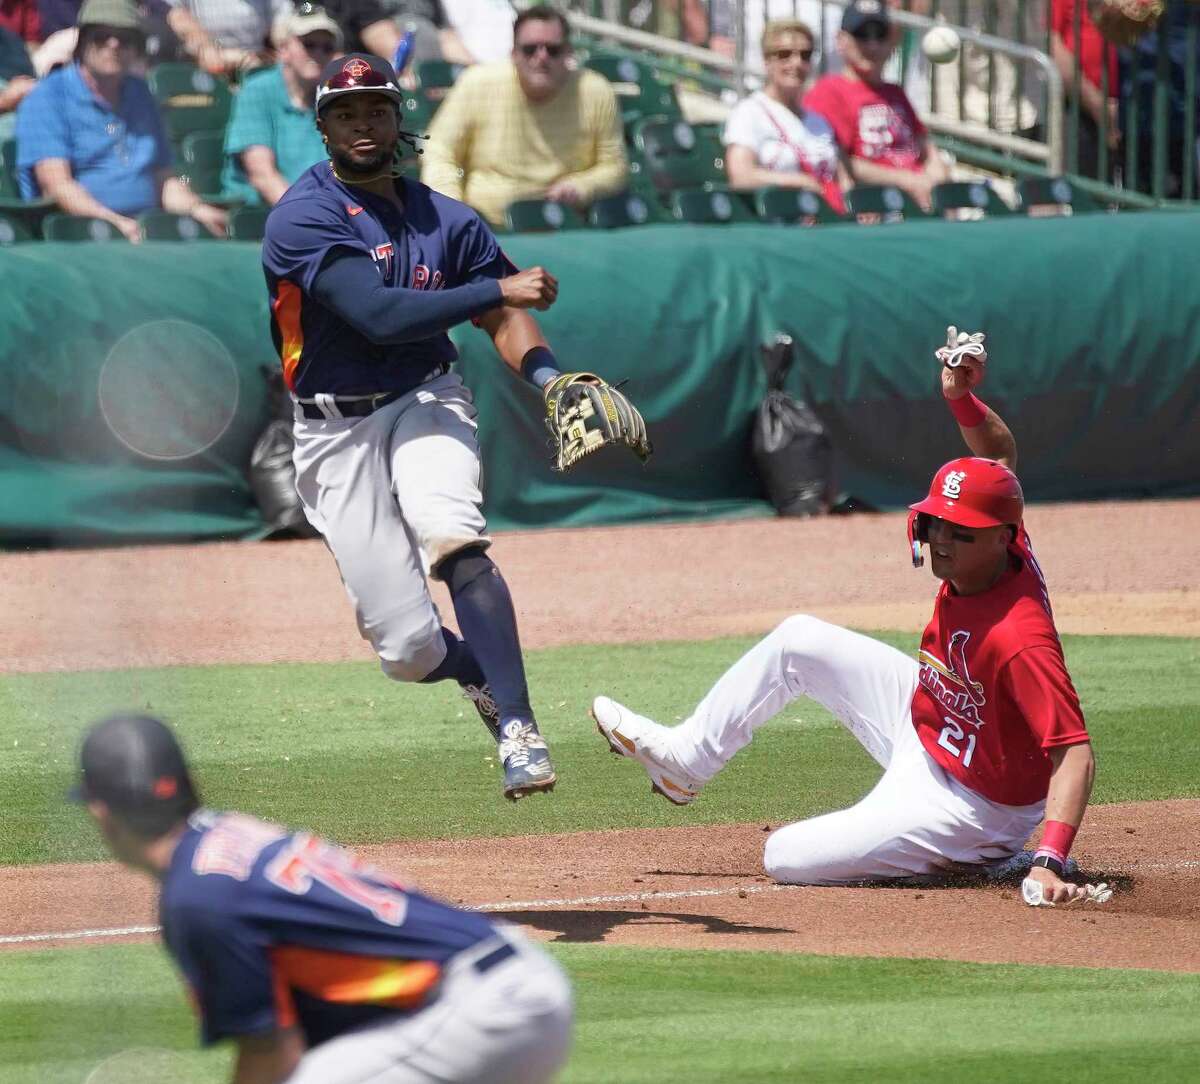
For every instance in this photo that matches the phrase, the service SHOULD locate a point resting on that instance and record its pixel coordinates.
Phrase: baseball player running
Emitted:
(367, 271)
(979, 737)
(320, 969)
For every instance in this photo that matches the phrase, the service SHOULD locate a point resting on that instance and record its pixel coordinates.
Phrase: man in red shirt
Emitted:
(980, 737)
(875, 123)
(1095, 57)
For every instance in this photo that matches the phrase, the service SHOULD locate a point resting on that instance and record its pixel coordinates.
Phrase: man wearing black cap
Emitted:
(321, 969)
(875, 123)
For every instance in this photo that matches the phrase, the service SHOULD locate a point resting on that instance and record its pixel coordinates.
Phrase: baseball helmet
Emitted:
(970, 492)
(356, 73)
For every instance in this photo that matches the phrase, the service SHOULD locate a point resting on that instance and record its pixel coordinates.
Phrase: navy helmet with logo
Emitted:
(357, 73)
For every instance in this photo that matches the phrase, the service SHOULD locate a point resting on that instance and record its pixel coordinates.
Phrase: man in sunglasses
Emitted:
(531, 127)
(876, 125)
(90, 136)
(271, 138)
(979, 737)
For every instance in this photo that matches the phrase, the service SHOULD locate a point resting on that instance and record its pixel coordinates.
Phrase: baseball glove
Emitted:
(1124, 21)
(583, 414)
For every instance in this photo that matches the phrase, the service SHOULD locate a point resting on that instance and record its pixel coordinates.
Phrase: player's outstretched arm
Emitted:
(964, 364)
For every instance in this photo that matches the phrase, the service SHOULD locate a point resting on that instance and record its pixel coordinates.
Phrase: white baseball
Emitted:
(941, 44)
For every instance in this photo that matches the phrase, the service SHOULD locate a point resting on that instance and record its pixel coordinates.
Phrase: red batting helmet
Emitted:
(971, 492)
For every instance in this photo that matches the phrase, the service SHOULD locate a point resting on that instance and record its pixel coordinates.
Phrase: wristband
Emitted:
(539, 366)
(1050, 862)
(968, 411)
(1057, 839)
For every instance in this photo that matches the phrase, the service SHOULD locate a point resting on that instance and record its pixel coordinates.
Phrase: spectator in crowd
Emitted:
(23, 18)
(1096, 60)
(366, 26)
(528, 127)
(241, 30)
(173, 31)
(484, 27)
(433, 37)
(770, 139)
(90, 137)
(272, 136)
(17, 79)
(875, 123)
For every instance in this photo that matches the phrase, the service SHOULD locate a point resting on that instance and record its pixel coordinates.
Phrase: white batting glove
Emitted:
(1032, 893)
(959, 343)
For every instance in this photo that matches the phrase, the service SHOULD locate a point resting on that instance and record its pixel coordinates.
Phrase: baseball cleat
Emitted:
(485, 704)
(526, 760)
(631, 735)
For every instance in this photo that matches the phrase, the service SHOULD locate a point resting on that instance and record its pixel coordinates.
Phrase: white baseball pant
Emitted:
(917, 821)
(509, 1025)
(393, 494)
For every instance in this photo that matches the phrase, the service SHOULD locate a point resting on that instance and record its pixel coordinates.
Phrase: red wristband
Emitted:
(968, 411)
(1057, 840)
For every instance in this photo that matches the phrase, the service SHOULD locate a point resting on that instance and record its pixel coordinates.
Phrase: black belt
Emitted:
(496, 956)
(359, 406)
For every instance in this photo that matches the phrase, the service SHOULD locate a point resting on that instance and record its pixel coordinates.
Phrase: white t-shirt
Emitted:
(237, 24)
(485, 27)
(782, 140)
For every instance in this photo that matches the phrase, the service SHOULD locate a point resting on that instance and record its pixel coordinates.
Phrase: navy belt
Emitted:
(331, 407)
(496, 956)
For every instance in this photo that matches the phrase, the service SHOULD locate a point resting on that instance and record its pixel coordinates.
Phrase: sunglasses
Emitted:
(554, 50)
(787, 54)
(100, 35)
(319, 45)
(927, 523)
(872, 32)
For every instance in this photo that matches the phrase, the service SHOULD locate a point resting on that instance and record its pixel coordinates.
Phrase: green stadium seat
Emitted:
(13, 231)
(435, 77)
(164, 226)
(639, 93)
(1047, 196)
(715, 205)
(248, 223)
(793, 206)
(627, 209)
(59, 227)
(676, 157)
(874, 203)
(416, 112)
(8, 170)
(203, 159)
(541, 216)
(191, 99)
(962, 199)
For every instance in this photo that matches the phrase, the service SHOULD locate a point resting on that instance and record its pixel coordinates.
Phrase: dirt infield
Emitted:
(1112, 569)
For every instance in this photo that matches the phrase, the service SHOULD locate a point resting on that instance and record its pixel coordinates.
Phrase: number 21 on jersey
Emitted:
(951, 735)
(306, 859)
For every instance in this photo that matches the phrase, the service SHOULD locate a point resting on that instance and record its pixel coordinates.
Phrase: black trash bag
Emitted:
(271, 474)
(791, 446)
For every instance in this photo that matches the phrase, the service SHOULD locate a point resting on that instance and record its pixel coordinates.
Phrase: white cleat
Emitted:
(631, 735)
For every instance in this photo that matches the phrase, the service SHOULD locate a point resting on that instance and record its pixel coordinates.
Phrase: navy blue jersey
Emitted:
(434, 243)
(274, 929)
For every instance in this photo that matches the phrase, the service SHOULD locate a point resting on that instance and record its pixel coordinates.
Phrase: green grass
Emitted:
(646, 1015)
(340, 749)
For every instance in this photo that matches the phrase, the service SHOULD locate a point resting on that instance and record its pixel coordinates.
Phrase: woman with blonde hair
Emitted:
(770, 139)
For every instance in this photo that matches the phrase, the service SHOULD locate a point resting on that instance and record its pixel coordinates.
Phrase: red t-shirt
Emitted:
(875, 123)
(1094, 49)
(994, 691)
(22, 18)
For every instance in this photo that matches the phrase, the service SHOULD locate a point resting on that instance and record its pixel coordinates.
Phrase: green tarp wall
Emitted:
(131, 386)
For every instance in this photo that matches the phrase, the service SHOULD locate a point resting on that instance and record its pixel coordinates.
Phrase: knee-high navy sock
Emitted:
(460, 663)
(485, 615)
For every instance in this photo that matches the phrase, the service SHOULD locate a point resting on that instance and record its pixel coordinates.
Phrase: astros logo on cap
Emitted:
(356, 68)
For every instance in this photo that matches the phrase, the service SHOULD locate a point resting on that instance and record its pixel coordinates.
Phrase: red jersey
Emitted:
(994, 692)
(1094, 51)
(878, 124)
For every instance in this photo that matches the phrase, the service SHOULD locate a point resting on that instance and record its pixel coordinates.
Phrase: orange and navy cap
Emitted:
(356, 73)
(135, 766)
(970, 492)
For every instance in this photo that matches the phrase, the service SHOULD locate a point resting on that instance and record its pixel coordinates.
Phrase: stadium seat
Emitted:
(164, 226)
(435, 77)
(676, 157)
(793, 206)
(1047, 196)
(627, 209)
(717, 205)
(203, 155)
(13, 231)
(639, 93)
(962, 199)
(248, 223)
(416, 111)
(541, 216)
(874, 203)
(58, 227)
(191, 99)
(8, 170)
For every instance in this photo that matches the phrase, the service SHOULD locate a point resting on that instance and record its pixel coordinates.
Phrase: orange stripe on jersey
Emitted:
(356, 980)
(286, 308)
(285, 1007)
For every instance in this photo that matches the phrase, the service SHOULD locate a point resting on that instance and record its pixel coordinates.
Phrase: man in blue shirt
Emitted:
(321, 969)
(272, 136)
(90, 137)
